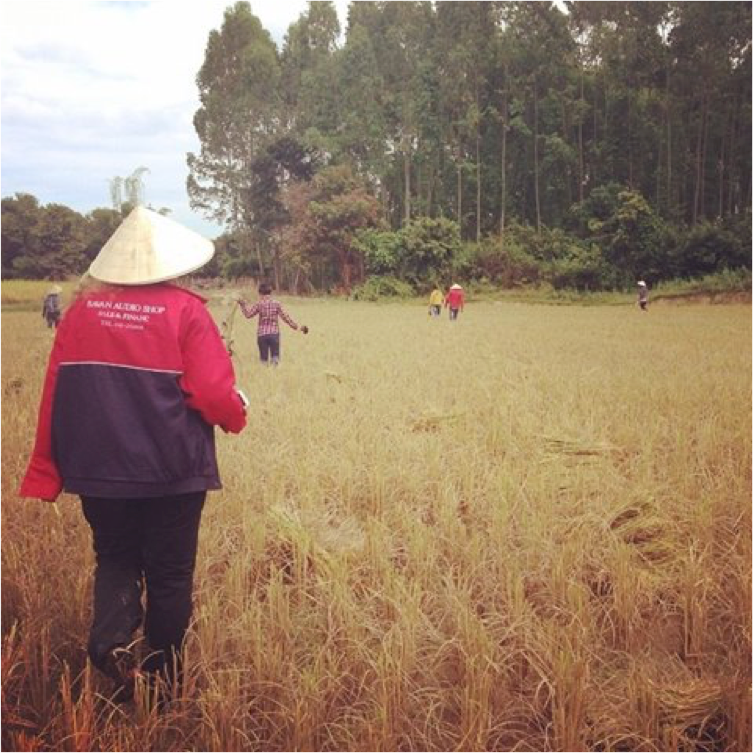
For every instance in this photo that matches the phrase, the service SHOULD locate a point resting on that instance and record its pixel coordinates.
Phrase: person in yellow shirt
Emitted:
(435, 302)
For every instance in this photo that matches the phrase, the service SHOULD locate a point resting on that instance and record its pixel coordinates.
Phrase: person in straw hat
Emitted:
(454, 300)
(51, 306)
(642, 295)
(137, 379)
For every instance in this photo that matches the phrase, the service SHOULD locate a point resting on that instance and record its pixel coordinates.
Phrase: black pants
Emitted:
(269, 345)
(143, 544)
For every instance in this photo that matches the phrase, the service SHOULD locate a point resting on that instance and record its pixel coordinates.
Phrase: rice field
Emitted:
(529, 529)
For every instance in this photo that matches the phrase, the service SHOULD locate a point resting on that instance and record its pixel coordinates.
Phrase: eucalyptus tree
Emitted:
(711, 43)
(361, 137)
(401, 35)
(465, 40)
(239, 114)
(310, 75)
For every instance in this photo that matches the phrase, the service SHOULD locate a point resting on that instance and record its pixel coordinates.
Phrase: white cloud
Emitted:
(91, 90)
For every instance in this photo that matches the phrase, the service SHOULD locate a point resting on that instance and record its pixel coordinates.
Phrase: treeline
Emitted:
(588, 147)
(505, 142)
(53, 241)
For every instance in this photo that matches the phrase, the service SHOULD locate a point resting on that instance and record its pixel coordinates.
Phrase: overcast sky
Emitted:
(94, 90)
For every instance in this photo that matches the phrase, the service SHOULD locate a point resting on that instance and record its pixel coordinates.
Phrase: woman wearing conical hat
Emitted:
(51, 308)
(642, 295)
(454, 300)
(137, 380)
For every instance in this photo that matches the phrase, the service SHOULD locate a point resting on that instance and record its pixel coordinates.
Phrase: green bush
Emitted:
(710, 247)
(507, 264)
(584, 269)
(377, 287)
(424, 251)
(726, 281)
(381, 250)
(430, 248)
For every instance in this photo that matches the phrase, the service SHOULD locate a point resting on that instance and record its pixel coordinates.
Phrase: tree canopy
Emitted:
(586, 144)
(495, 114)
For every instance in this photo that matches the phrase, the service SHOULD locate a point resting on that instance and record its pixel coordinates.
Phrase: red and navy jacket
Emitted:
(137, 379)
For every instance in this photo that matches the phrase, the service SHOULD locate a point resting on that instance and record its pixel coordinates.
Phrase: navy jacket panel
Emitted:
(129, 431)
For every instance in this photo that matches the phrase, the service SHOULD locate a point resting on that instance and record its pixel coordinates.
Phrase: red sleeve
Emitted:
(42, 479)
(208, 377)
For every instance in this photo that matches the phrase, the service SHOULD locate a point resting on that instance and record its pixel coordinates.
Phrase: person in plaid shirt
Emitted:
(268, 332)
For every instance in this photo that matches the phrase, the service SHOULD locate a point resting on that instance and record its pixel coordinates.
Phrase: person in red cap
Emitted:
(454, 300)
(137, 379)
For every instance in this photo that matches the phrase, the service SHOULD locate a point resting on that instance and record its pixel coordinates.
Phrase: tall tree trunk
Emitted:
(721, 167)
(478, 182)
(668, 108)
(608, 158)
(731, 150)
(460, 189)
(630, 139)
(581, 178)
(276, 268)
(406, 176)
(699, 163)
(345, 272)
(503, 198)
(566, 130)
(704, 155)
(260, 259)
(536, 155)
(430, 191)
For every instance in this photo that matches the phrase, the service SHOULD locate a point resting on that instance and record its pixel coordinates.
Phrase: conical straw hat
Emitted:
(148, 248)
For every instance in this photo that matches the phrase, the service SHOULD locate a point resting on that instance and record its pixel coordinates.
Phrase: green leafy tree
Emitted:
(309, 44)
(101, 223)
(240, 105)
(283, 162)
(634, 240)
(709, 247)
(361, 131)
(21, 218)
(60, 244)
(381, 250)
(337, 205)
(429, 249)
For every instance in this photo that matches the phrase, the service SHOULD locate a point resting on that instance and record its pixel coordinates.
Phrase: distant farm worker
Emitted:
(435, 302)
(51, 308)
(454, 300)
(268, 332)
(642, 295)
(137, 379)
